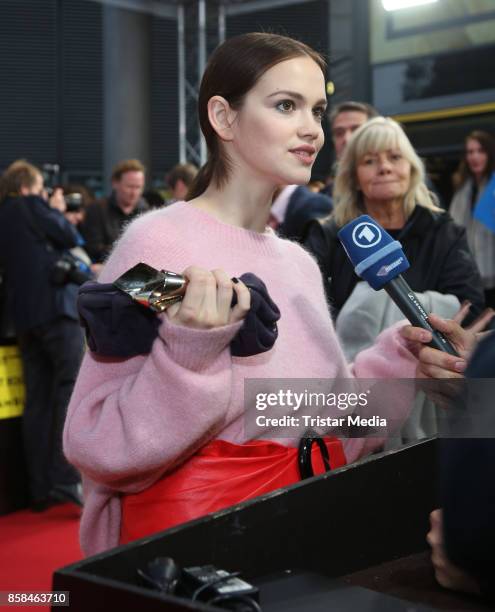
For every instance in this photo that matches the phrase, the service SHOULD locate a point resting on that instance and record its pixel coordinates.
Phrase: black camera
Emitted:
(74, 202)
(67, 269)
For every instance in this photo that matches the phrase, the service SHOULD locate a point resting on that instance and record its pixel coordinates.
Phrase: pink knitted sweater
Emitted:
(130, 421)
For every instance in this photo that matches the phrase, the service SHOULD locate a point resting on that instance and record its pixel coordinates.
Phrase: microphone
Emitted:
(380, 260)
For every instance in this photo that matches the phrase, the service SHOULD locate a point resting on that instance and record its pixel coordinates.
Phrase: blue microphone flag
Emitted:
(376, 256)
(484, 211)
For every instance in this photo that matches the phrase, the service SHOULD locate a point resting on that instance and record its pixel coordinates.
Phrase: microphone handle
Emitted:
(411, 308)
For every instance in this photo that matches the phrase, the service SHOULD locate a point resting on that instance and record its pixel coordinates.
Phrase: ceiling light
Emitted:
(397, 5)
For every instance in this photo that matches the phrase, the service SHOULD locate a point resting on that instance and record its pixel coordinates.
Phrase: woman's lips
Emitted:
(305, 155)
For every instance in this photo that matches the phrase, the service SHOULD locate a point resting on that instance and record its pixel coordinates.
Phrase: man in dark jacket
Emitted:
(34, 235)
(105, 219)
(294, 208)
(345, 119)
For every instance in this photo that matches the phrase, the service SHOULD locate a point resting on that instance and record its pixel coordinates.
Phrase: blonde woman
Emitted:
(381, 175)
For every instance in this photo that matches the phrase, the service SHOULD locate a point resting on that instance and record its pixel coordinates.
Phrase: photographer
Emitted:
(42, 281)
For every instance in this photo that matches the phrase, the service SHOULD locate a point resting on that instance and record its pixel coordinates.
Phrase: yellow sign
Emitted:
(12, 392)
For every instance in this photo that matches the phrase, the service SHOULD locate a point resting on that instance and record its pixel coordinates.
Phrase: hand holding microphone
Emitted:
(380, 260)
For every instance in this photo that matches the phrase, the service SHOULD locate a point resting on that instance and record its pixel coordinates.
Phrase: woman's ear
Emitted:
(221, 117)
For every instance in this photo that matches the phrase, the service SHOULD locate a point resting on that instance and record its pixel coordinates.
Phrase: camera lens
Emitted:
(73, 202)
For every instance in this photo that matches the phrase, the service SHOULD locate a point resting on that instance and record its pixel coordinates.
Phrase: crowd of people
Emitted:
(52, 241)
(248, 212)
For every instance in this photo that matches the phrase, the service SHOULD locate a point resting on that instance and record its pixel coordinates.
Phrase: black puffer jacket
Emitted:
(435, 246)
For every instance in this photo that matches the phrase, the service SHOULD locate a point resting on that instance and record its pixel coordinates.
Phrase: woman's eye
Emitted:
(285, 106)
(396, 156)
(367, 161)
(319, 112)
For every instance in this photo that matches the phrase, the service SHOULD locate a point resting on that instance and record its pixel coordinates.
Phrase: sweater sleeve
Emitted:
(131, 420)
(388, 357)
(392, 399)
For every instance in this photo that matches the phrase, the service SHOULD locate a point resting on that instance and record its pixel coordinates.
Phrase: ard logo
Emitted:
(366, 235)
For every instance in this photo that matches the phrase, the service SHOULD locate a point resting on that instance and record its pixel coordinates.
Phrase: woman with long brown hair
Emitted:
(471, 179)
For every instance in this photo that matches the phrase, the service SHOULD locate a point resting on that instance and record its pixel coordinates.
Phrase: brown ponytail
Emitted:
(200, 181)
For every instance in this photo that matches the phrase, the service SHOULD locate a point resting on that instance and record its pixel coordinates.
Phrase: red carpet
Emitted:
(33, 546)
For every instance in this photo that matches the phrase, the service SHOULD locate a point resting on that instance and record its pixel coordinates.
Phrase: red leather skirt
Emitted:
(220, 475)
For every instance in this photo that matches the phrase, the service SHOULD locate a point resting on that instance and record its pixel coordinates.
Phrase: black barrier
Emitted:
(352, 539)
(342, 524)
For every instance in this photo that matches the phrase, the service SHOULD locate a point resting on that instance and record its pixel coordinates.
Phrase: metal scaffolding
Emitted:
(201, 26)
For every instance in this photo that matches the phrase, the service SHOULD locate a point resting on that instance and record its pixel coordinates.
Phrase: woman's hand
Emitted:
(438, 364)
(208, 298)
(479, 324)
(447, 574)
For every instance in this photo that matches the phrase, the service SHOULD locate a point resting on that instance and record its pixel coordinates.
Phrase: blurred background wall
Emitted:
(88, 82)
